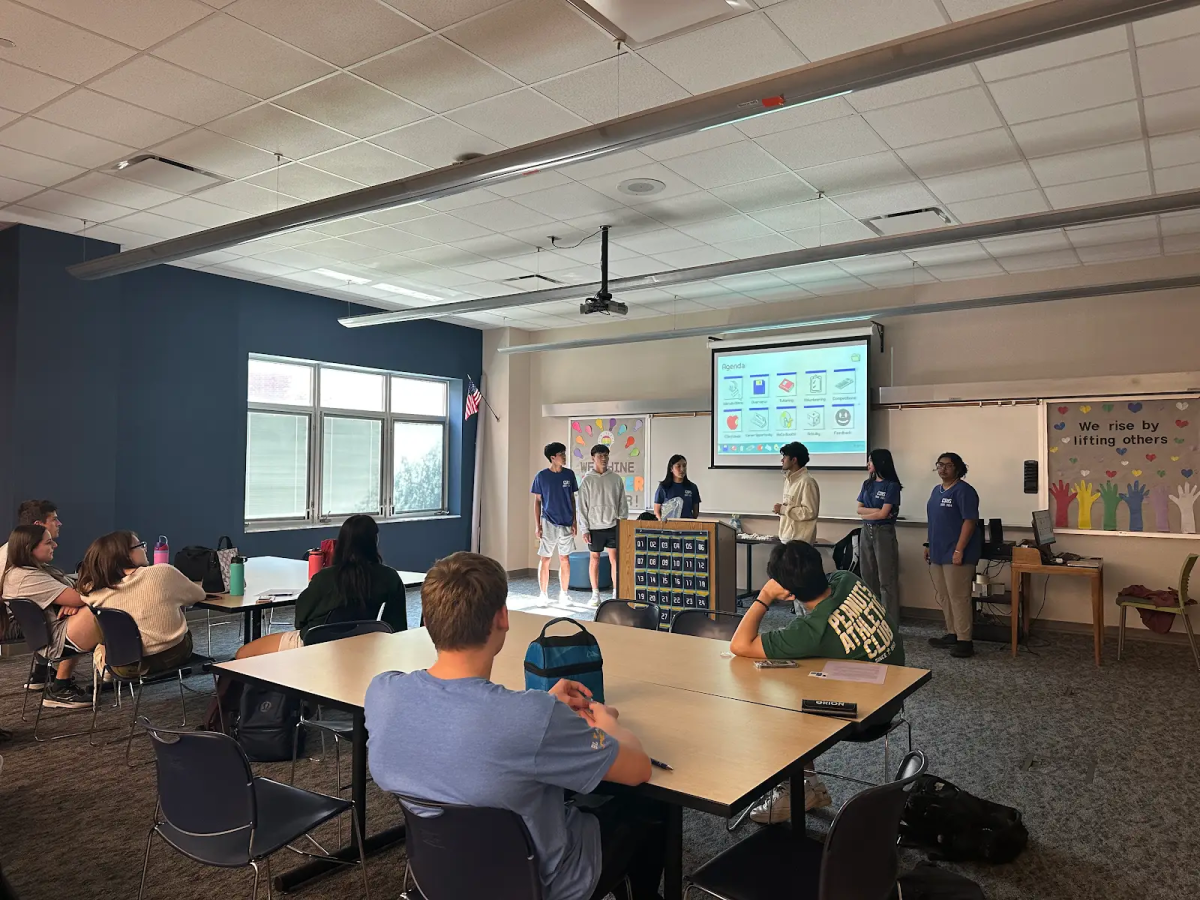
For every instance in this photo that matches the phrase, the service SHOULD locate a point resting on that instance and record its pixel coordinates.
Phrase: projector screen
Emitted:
(768, 395)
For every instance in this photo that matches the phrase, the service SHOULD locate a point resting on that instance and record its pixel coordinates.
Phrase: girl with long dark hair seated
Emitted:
(351, 590)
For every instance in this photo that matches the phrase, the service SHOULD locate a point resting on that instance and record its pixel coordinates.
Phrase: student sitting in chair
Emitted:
(115, 574)
(448, 734)
(842, 619)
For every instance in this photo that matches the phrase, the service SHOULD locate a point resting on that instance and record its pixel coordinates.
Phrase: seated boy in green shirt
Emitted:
(844, 619)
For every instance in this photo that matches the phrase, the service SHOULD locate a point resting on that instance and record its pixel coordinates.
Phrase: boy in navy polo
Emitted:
(554, 490)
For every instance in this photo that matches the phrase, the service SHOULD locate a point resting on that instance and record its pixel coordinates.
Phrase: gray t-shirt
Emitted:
(472, 742)
(43, 586)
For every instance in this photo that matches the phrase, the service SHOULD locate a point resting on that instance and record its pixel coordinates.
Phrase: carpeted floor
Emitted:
(1101, 762)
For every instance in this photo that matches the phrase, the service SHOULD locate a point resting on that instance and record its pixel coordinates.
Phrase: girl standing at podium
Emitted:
(878, 552)
(677, 497)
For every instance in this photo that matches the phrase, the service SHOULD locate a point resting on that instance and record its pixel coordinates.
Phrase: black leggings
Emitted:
(633, 835)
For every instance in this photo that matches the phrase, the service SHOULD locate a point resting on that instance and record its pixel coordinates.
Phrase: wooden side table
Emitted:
(1027, 561)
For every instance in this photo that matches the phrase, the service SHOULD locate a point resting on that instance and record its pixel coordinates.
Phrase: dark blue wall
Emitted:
(8, 363)
(170, 360)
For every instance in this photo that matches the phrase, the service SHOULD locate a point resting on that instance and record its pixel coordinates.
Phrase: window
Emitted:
(324, 442)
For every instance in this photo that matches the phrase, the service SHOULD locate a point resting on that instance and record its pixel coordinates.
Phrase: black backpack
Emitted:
(266, 724)
(203, 565)
(948, 823)
(927, 882)
(845, 552)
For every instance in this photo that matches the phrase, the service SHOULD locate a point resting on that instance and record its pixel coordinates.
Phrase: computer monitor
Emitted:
(1043, 528)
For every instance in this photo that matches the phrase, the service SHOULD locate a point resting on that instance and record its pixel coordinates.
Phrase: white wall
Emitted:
(1146, 333)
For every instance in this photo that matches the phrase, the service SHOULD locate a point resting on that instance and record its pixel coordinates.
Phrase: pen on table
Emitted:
(659, 764)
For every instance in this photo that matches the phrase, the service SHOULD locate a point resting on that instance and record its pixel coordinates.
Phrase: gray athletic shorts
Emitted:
(555, 537)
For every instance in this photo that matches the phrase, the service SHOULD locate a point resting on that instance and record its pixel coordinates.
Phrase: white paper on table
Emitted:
(865, 673)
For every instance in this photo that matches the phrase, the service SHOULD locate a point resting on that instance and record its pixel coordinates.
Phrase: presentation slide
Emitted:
(769, 395)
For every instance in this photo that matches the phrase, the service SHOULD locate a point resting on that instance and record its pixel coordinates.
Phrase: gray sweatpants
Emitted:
(879, 560)
(953, 585)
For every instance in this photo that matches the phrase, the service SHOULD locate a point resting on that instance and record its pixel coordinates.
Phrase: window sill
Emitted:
(261, 528)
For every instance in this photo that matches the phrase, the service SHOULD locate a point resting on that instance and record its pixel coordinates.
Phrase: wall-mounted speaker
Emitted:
(1031, 476)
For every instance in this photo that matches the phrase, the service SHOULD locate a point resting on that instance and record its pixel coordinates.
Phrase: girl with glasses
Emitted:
(954, 548)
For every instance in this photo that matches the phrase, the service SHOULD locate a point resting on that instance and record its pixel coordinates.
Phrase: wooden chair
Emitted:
(1125, 601)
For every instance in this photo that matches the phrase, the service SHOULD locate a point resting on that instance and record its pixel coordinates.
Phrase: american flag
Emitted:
(473, 399)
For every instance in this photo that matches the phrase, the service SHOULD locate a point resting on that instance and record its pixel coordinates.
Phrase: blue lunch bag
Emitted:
(573, 656)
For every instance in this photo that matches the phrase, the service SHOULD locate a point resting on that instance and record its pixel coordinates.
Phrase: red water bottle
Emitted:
(162, 553)
(314, 562)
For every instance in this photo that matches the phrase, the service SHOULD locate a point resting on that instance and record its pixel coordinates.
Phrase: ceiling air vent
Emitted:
(526, 282)
(167, 174)
(908, 221)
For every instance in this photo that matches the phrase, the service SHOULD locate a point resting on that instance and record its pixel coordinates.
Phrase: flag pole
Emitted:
(482, 397)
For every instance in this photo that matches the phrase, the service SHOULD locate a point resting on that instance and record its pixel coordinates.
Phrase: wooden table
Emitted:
(731, 731)
(1027, 561)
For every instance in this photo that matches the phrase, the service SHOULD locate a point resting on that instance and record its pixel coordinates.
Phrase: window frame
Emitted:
(317, 413)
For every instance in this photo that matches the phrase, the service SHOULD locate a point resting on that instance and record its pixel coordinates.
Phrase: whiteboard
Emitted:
(994, 441)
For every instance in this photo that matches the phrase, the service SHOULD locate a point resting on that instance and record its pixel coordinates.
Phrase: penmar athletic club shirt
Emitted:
(850, 623)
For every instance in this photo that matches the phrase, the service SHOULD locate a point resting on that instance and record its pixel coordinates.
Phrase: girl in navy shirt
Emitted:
(677, 486)
(878, 552)
(955, 546)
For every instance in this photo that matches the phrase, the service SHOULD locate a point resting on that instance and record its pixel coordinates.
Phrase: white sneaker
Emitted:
(564, 599)
(543, 600)
(594, 602)
(777, 805)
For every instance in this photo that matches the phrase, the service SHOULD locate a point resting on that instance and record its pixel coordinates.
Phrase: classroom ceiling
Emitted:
(290, 101)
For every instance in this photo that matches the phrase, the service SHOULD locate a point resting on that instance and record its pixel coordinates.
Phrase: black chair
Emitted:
(36, 629)
(123, 647)
(887, 720)
(212, 808)
(706, 623)
(466, 851)
(626, 612)
(340, 726)
(858, 859)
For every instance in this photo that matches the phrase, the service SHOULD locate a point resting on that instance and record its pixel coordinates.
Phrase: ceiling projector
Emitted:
(603, 302)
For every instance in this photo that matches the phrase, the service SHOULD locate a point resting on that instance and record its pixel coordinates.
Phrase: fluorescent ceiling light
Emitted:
(392, 289)
(341, 276)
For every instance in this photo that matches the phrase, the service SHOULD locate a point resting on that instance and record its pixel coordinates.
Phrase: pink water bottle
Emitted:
(162, 553)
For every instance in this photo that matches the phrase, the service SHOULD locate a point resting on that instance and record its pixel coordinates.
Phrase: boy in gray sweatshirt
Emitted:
(602, 504)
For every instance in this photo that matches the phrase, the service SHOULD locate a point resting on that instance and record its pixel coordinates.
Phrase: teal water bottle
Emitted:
(237, 576)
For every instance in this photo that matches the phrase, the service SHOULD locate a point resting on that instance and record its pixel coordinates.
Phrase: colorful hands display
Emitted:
(1087, 495)
(1134, 496)
(1063, 497)
(1160, 499)
(1186, 501)
(1110, 496)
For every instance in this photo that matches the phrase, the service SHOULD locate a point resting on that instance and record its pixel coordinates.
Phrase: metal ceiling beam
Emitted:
(941, 48)
(899, 243)
(889, 312)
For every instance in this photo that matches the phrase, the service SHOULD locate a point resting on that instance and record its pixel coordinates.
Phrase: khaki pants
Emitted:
(953, 586)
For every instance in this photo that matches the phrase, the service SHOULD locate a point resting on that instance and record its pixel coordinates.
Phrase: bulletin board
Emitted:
(1124, 465)
(627, 439)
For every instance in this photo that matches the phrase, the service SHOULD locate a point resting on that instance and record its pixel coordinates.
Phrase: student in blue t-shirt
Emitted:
(955, 546)
(878, 552)
(449, 734)
(677, 496)
(554, 489)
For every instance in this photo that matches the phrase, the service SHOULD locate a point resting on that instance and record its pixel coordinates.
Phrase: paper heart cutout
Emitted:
(1181, 405)
(1181, 423)
(1074, 459)
(1135, 407)
(1162, 473)
(1174, 459)
(1085, 472)
(1066, 440)
(1186, 473)
(1053, 449)
(1059, 426)
(1062, 410)
(1122, 450)
(1124, 462)
(1108, 407)
(1110, 473)
(1151, 456)
(1136, 472)
(1085, 409)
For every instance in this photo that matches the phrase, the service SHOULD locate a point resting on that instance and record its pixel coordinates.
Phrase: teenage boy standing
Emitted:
(602, 504)
(554, 490)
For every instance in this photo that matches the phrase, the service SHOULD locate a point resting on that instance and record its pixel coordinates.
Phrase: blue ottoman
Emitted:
(580, 581)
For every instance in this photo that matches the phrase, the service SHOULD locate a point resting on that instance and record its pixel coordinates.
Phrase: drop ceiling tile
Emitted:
(358, 28)
(765, 193)
(1037, 262)
(934, 118)
(492, 270)
(622, 222)
(1025, 244)
(675, 185)
(568, 201)
(297, 258)
(966, 9)
(11, 191)
(342, 250)
(950, 253)
(589, 252)
(731, 164)
(444, 229)
(139, 23)
(56, 142)
(732, 300)
(1175, 150)
(435, 142)
(366, 164)
(809, 214)
(1080, 131)
(352, 105)
(69, 204)
(982, 268)
(910, 278)
(762, 246)
(452, 202)
(701, 290)
(886, 200)
(824, 142)
(53, 47)
(910, 89)
(1118, 252)
(7, 115)
(445, 278)
(435, 74)
(876, 170)
(440, 13)
(1088, 165)
(217, 153)
(519, 117)
(973, 151)
(305, 182)
(736, 50)
(246, 197)
(495, 246)
(237, 54)
(1114, 232)
(129, 240)
(785, 118)
(502, 215)
(1102, 190)
(686, 210)
(29, 216)
(1055, 54)
(157, 85)
(630, 268)
(678, 307)
(398, 214)
(1170, 66)
(730, 228)
(25, 89)
(656, 242)
(1175, 243)
(1058, 92)
(831, 233)
(396, 265)
(873, 265)
(155, 225)
(542, 262)
(695, 256)
(1177, 178)
(293, 238)
(390, 239)
(1167, 27)
(199, 212)
(998, 207)
(824, 28)
(1180, 223)
(257, 267)
(982, 183)
(35, 169)
(115, 120)
(592, 92)
(277, 130)
(1169, 113)
(680, 146)
(533, 39)
(837, 286)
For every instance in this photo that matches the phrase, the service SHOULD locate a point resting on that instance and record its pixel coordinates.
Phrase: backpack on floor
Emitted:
(574, 656)
(927, 882)
(948, 823)
(266, 724)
